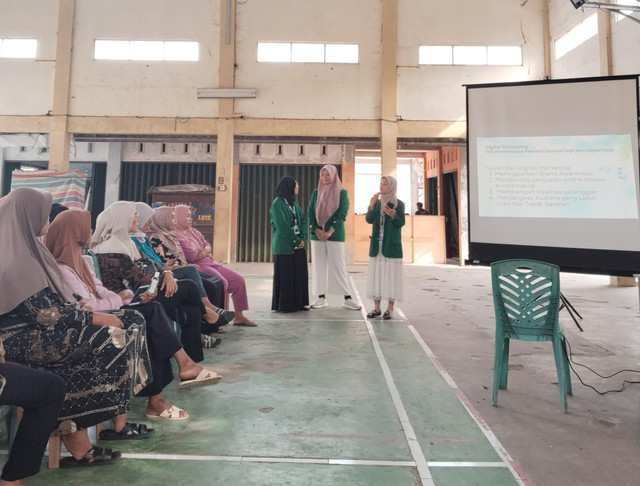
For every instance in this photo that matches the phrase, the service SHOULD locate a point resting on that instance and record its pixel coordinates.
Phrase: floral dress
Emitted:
(103, 366)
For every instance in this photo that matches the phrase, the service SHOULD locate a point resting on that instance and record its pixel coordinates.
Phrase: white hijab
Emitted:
(112, 230)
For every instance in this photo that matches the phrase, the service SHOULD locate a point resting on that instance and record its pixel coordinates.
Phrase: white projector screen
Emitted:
(554, 173)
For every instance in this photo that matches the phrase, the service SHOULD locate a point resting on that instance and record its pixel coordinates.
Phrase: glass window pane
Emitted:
(19, 48)
(470, 55)
(307, 52)
(342, 53)
(181, 51)
(504, 55)
(274, 52)
(111, 50)
(146, 50)
(435, 55)
(576, 36)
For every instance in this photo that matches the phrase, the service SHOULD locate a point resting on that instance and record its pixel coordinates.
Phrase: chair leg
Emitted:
(500, 368)
(567, 368)
(505, 365)
(54, 450)
(560, 370)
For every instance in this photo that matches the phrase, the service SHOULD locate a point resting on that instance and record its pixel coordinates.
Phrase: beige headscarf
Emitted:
(328, 196)
(112, 230)
(159, 228)
(391, 195)
(27, 267)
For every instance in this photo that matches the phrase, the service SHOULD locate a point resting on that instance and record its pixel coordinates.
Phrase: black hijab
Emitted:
(55, 210)
(286, 189)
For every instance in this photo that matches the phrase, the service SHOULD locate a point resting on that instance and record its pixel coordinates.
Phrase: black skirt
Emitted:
(290, 282)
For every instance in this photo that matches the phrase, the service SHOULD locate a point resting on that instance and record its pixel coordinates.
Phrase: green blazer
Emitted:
(283, 238)
(392, 241)
(335, 221)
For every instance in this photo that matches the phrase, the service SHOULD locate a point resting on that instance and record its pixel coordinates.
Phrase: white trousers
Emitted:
(328, 268)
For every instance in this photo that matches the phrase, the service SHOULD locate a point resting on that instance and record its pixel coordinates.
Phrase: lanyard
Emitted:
(296, 228)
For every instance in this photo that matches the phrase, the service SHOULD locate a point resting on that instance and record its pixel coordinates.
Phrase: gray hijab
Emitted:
(27, 266)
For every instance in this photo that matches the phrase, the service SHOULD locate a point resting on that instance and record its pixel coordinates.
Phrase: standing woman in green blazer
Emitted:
(385, 275)
(327, 211)
(289, 233)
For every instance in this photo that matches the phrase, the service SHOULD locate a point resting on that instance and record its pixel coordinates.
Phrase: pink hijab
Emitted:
(159, 228)
(189, 235)
(328, 196)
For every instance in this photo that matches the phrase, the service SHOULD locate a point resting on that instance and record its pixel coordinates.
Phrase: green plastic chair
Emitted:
(526, 298)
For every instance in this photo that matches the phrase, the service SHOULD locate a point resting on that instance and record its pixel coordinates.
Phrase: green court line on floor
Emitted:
(508, 462)
(414, 446)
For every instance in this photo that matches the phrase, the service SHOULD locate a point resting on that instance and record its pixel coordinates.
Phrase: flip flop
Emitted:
(129, 432)
(211, 341)
(97, 456)
(245, 324)
(205, 377)
(171, 413)
(226, 316)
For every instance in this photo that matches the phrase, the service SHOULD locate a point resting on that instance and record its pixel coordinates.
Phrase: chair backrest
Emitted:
(92, 261)
(526, 298)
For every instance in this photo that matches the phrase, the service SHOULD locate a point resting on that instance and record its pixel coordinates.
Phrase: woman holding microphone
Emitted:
(385, 275)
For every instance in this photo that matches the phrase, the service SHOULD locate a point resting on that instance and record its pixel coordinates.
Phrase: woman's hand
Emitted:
(101, 319)
(169, 284)
(202, 254)
(389, 212)
(148, 296)
(171, 264)
(125, 294)
(373, 200)
(300, 246)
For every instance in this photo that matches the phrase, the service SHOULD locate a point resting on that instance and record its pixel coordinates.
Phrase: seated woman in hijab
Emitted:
(120, 262)
(41, 326)
(160, 249)
(198, 252)
(68, 233)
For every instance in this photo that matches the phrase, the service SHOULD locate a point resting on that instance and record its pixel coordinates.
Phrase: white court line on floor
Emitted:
(510, 463)
(278, 460)
(414, 445)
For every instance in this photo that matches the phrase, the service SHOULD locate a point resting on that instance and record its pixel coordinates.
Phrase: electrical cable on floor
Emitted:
(571, 363)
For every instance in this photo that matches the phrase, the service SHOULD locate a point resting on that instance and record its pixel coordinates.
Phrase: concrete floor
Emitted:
(327, 397)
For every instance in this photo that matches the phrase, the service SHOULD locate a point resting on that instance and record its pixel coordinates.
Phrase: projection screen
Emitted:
(554, 173)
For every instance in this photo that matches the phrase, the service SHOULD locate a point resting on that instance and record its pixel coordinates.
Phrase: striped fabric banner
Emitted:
(67, 187)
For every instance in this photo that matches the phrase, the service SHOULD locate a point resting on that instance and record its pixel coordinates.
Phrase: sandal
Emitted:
(97, 456)
(210, 342)
(128, 432)
(374, 313)
(226, 316)
(387, 315)
(171, 413)
(205, 377)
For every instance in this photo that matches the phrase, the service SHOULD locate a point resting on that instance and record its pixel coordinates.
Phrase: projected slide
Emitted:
(557, 177)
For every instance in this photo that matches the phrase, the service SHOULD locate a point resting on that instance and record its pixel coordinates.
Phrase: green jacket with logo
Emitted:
(335, 221)
(283, 237)
(392, 236)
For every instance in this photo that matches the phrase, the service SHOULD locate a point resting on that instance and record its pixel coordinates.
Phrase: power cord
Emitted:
(572, 362)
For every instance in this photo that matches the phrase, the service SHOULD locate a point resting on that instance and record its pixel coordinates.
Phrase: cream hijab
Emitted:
(392, 194)
(328, 196)
(27, 266)
(112, 230)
